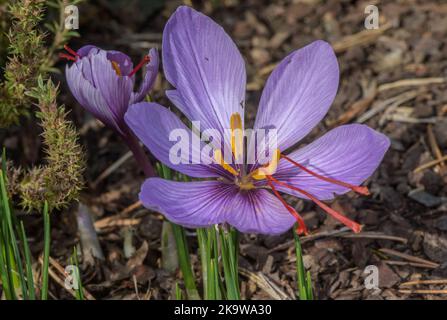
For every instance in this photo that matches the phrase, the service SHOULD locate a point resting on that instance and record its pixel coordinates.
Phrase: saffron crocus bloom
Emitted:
(208, 73)
(103, 81)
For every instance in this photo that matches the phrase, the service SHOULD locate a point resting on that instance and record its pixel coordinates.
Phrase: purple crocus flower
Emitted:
(103, 81)
(208, 73)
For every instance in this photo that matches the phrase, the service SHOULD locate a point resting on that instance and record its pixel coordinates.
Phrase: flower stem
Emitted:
(139, 154)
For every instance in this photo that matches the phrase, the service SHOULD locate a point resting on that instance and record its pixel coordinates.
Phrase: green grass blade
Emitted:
(310, 294)
(4, 265)
(185, 262)
(230, 268)
(46, 252)
(300, 272)
(28, 263)
(14, 254)
(178, 292)
(204, 251)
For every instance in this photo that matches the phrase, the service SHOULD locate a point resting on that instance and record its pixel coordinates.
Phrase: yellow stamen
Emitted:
(116, 67)
(268, 169)
(220, 160)
(245, 183)
(237, 137)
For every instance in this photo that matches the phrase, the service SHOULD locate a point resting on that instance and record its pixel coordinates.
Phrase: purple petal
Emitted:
(149, 77)
(258, 211)
(205, 66)
(86, 50)
(204, 203)
(116, 90)
(348, 153)
(124, 62)
(89, 97)
(85, 65)
(153, 124)
(191, 204)
(299, 92)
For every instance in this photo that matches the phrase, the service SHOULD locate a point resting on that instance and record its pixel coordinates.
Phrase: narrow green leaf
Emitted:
(46, 252)
(204, 259)
(300, 272)
(185, 262)
(229, 260)
(4, 266)
(310, 294)
(14, 254)
(28, 263)
(178, 292)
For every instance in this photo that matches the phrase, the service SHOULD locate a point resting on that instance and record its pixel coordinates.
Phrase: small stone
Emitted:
(441, 223)
(424, 198)
(387, 277)
(435, 246)
(432, 182)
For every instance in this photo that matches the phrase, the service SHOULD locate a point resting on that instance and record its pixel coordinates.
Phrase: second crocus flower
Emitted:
(103, 81)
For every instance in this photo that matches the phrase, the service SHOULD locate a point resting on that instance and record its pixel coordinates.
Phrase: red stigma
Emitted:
(346, 221)
(71, 51)
(145, 60)
(66, 56)
(359, 189)
(73, 55)
(301, 229)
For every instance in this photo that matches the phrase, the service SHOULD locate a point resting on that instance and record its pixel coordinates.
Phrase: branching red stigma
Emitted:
(73, 55)
(301, 229)
(347, 222)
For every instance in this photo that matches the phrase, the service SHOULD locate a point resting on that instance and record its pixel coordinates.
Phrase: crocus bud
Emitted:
(103, 81)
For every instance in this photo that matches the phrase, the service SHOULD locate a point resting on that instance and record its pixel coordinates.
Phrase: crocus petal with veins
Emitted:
(192, 204)
(298, 93)
(204, 203)
(90, 97)
(100, 81)
(204, 65)
(156, 138)
(116, 90)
